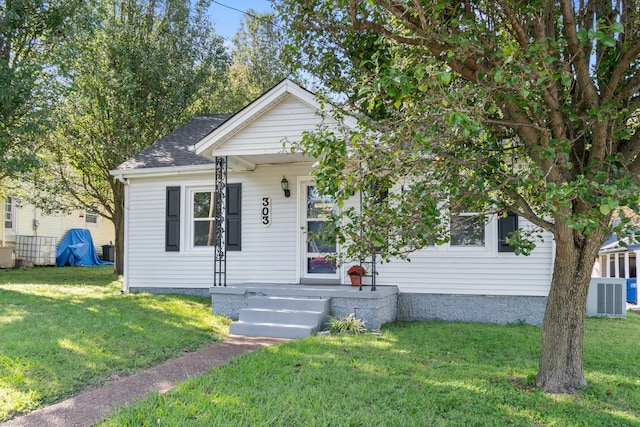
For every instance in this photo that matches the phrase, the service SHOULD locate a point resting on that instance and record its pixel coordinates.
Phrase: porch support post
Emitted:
(626, 265)
(220, 210)
(373, 250)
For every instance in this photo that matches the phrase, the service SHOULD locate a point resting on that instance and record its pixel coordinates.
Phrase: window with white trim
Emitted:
(468, 230)
(9, 214)
(91, 218)
(202, 218)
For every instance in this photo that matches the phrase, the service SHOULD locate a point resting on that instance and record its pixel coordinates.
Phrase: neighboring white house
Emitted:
(27, 221)
(170, 222)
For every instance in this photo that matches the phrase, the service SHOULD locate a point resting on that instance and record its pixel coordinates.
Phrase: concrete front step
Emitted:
(281, 317)
(288, 317)
(274, 330)
(288, 303)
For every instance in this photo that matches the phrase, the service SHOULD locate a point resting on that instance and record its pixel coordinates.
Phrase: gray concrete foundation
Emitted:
(182, 291)
(472, 308)
(378, 307)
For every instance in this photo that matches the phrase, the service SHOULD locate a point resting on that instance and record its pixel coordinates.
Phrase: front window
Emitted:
(468, 231)
(203, 218)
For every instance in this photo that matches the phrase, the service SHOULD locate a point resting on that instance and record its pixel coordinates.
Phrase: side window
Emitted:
(468, 231)
(91, 218)
(9, 213)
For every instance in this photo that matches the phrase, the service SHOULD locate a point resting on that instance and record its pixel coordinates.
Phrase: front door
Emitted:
(316, 212)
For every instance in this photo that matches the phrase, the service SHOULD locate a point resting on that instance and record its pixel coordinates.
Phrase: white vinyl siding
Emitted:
(452, 270)
(285, 121)
(268, 255)
(444, 270)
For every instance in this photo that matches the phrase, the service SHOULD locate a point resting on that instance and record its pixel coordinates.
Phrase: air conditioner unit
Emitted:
(607, 297)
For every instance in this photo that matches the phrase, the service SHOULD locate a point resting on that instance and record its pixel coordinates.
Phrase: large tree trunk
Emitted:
(561, 356)
(118, 223)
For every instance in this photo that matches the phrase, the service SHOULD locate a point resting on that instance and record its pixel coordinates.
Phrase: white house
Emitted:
(171, 211)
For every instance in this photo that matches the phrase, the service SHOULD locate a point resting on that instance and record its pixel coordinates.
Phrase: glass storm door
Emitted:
(317, 212)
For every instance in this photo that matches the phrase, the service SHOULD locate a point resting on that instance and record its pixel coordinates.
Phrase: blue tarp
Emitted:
(77, 249)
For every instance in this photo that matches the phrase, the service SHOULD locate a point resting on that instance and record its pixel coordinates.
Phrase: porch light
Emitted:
(285, 187)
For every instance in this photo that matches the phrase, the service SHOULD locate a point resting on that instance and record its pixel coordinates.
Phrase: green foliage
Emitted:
(29, 33)
(134, 75)
(347, 325)
(64, 329)
(256, 65)
(413, 374)
(491, 116)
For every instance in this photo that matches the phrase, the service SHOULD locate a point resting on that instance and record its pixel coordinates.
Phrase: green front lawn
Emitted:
(413, 374)
(63, 329)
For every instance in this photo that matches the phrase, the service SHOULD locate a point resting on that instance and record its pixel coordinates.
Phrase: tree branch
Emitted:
(632, 151)
(549, 90)
(467, 68)
(619, 71)
(580, 63)
(518, 31)
(527, 212)
(632, 86)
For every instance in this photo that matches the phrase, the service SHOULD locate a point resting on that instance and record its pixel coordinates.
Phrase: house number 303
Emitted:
(266, 211)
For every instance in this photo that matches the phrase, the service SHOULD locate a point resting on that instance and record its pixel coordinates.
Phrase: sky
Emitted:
(227, 19)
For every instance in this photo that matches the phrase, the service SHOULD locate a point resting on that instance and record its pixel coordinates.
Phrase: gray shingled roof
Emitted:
(173, 149)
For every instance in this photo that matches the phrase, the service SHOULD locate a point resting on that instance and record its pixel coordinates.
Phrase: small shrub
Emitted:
(347, 325)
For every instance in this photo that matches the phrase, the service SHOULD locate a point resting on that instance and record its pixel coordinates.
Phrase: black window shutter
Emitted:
(234, 211)
(506, 226)
(172, 226)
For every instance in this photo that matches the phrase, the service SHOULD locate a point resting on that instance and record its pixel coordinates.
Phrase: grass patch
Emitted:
(64, 329)
(413, 374)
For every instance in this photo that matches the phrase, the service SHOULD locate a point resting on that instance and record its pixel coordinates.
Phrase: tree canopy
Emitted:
(257, 64)
(29, 32)
(133, 77)
(481, 106)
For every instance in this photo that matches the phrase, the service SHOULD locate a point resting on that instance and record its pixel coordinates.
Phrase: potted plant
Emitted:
(355, 273)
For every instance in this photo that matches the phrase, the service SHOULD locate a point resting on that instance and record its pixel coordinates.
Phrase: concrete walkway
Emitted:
(92, 406)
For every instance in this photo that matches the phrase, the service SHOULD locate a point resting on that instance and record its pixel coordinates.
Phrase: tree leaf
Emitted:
(444, 77)
(608, 40)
